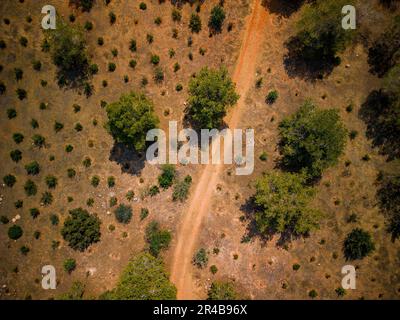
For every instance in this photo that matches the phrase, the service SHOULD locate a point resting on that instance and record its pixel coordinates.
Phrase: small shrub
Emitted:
(176, 15)
(181, 189)
(340, 292)
(130, 195)
(23, 41)
(263, 156)
(313, 294)
(111, 66)
(123, 213)
(36, 234)
(51, 181)
(15, 232)
(149, 38)
(69, 265)
(179, 87)
(95, 181)
(18, 137)
(217, 18)
(358, 244)
(195, 23)
(58, 126)
(157, 238)
(153, 191)
(100, 41)
(158, 75)
(88, 26)
(144, 212)
(167, 176)
(132, 64)
(142, 6)
(19, 204)
(155, 59)
(111, 181)
(78, 127)
(37, 65)
(271, 97)
(87, 162)
(9, 180)
(38, 140)
(112, 17)
(54, 219)
(296, 267)
(213, 269)
(21, 94)
(30, 188)
(16, 155)
(18, 73)
(11, 113)
(200, 259)
(47, 198)
(113, 201)
(69, 148)
(93, 69)
(4, 220)
(32, 168)
(353, 134)
(90, 202)
(34, 212)
(24, 250)
(158, 21)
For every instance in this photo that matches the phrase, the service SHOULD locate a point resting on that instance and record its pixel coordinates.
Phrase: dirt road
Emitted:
(188, 231)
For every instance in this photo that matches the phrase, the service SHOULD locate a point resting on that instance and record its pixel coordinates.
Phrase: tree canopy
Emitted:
(211, 93)
(143, 279)
(130, 118)
(69, 53)
(312, 140)
(81, 229)
(320, 37)
(284, 204)
(222, 291)
(358, 244)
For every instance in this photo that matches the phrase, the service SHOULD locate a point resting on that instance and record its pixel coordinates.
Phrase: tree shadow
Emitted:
(381, 117)
(309, 58)
(249, 209)
(283, 8)
(128, 158)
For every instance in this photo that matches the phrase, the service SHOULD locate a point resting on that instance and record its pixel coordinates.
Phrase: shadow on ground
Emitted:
(130, 160)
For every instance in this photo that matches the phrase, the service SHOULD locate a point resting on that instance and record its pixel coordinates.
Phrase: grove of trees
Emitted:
(222, 291)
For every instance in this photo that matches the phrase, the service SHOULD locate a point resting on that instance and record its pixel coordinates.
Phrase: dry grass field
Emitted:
(260, 270)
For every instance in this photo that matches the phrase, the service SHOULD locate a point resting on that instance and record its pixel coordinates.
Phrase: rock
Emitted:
(91, 271)
(108, 212)
(135, 199)
(16, 218)
(347, 66)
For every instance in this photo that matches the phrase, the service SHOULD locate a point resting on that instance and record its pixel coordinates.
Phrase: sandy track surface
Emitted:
(200, 201)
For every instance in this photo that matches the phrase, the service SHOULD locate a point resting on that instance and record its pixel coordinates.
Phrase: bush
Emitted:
(88, 25)
(144, 212)
(149, 38)
(195, 23)
(38, 140)
(283, 200)
(100, 41)
(81, 229)
(156, 238)
(69, 265)
(16, 155)
(47, 198)
(87, 162)
(200, 259)
(34, 212)
(132, 45)
(111, 181)
(296, 267)
(123, 213)
(18, 137)
(132, 64)
(301, 133)
(358, 244)
(11, 113)
(30, 188)
(271, 97)
(158, 75)
(9, 180)
(76, 292)
(58, 126)
(95, 181)
(176, 15)
(4, 220)
(15, 232)
(144, 278)
(130, 195)
(24, 250)
(112, 17)
(32, 168)
(211, 93)
(18, 73)
(111, 66)
(142, 6)
(213, 269)
(167, 176)
(217, 18)
(130, 118)
(51, 181)
(23, 41)
(222, 291)
(340, 292)
(69, 148)
(313, 294)
(54, 219)
(181, 189)
(21, 93)
(155, 59)
(154, 190)
(69, 53)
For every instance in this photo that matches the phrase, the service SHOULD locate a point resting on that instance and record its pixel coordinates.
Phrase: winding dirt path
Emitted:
(188, 231)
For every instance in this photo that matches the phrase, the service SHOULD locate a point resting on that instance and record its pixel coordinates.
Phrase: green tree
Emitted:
(283, 200)
(181, 189)
(143, 279)
(211, 93)
(130, 118)
(32, 168)
(9, 180)
(69, 265)
(358, 244)
(222, 291)
(85, 5)
(15, 232)
(320, 37)
(217, 18)
(312, 140)
(195, 23)
(167, 176)
(75, 293)
(81, 229)
(69, 53)
(157, 238)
